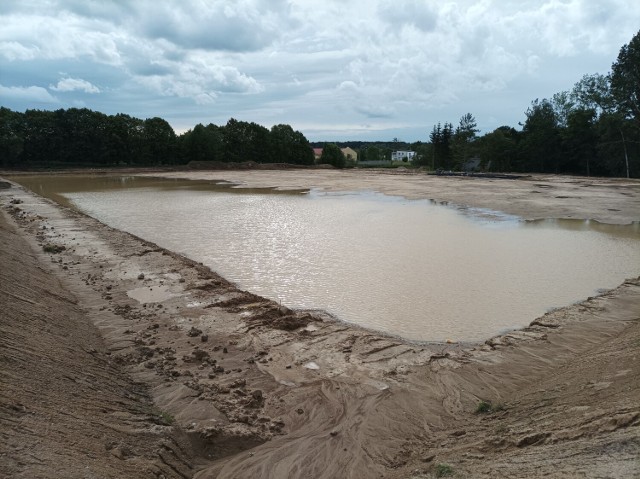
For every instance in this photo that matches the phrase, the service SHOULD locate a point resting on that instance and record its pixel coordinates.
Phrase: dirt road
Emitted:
(262, 391)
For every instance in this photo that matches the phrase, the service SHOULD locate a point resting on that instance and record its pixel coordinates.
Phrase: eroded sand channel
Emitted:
(405, 267)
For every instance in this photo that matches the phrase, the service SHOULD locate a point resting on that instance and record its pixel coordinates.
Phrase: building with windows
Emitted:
(401, 155)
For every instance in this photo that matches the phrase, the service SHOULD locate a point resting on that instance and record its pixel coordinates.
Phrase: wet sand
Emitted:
(262, 391)
(607, 200)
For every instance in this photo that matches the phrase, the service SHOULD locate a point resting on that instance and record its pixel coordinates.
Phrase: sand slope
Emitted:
(262, 391)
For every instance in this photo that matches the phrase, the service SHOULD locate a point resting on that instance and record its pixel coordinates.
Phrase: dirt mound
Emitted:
(66, 408)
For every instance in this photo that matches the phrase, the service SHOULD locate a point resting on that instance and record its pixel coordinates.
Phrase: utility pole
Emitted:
(626, 157)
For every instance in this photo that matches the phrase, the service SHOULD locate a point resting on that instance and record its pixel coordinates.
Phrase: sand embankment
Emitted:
(67, 409)
(262, 391)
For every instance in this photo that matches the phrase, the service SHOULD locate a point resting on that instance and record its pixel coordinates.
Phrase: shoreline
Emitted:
(280, 383)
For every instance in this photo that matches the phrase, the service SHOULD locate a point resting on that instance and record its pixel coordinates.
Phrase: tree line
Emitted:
(82, 137)
(593, 129)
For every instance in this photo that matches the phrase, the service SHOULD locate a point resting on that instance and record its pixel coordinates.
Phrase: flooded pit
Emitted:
(407, 267)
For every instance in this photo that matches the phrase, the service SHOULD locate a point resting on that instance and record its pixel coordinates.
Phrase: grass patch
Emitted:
(483, 407)
(444, 470)
(166, 418)
(53, 248)
(487, 407)
(158, 416)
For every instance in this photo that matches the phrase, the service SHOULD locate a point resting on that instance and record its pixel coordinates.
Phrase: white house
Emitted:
(401, 155)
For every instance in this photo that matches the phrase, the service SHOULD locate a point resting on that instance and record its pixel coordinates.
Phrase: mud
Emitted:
(262, 391)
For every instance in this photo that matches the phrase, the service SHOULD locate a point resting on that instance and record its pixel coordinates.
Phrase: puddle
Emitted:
(151, 294)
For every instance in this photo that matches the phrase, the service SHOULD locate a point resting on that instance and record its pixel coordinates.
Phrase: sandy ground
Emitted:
(615, 201)
(262, 391)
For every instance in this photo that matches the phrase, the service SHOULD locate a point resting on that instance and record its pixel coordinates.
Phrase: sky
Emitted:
(370, 70)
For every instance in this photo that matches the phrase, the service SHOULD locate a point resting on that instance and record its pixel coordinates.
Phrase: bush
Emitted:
(484, 407)
(53, 248)
(444, 470)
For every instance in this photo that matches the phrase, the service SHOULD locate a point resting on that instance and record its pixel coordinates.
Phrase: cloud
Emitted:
(28, 94)
(74, 84)
(389, 65)
(244, 25)
(408, 12)
(199, 79)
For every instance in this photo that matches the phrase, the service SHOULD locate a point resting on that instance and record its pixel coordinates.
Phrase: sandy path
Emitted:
(274, 393)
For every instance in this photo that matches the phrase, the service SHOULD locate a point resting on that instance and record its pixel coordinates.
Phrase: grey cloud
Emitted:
(375, 110)
(113, 11)
(218, 25)
(35, 94)
(412, 12)
(148, 68)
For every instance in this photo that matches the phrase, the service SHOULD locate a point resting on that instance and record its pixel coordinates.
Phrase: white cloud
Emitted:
(28, 94)
(384, 63)
(75, 84)
(201, 79)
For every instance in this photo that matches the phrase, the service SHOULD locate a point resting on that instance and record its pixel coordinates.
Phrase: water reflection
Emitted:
(56, 187)
(407, 267)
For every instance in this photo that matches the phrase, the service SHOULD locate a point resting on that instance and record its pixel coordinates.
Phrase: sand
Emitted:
(199, 379)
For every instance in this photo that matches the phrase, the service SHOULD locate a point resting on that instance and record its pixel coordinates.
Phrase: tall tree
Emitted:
(541, 144)
(440, 138)
(463, 139)
(11, 137)
(160, 142)
(580, 140)
(498, 149)
(593, 92)
(289, 146)
(625, 79)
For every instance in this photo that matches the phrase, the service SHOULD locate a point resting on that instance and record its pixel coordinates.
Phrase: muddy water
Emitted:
(411, 268)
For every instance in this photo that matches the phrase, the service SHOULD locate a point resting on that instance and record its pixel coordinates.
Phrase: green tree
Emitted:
(498, 149)
(563, 104)
(373, 153)
(440, 138)
(541, 146)
(245, 141)
(593, 92)
(203, 143)
(289, 146)
(159, 142)
(11, 137)
(332, 155)
(462, 142)
(625, 79)
(580, 140)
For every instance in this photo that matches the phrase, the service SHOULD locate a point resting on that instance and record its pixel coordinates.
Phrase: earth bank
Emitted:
(244, 388)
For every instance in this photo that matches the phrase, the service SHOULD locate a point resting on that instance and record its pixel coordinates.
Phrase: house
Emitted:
(350, 154)
(401, 155)
(317, 153)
